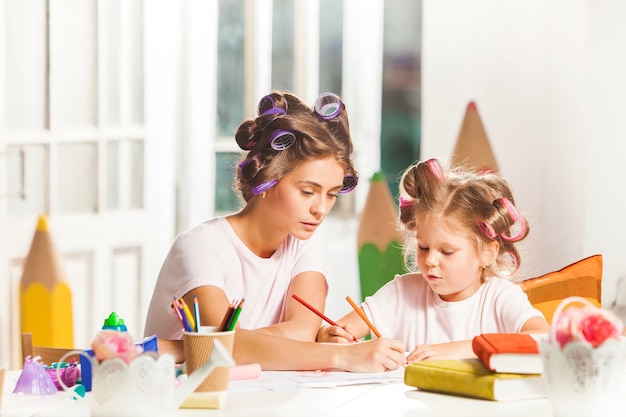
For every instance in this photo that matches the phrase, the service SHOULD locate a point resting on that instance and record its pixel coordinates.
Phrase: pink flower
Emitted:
(591, 324)
(110, 344)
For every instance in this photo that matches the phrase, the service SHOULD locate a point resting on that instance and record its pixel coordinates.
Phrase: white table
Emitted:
(382, 399)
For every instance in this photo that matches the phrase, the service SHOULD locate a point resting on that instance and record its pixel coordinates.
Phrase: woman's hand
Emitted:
(451, 350)
(377, 355)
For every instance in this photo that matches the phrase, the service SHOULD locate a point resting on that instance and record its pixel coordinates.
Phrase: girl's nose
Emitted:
(431, 258)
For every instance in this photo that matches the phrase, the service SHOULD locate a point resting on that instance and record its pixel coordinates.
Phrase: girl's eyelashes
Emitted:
(423, 249)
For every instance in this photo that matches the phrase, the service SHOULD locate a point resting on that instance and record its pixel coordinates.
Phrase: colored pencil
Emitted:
(180, 317)
(363, 316)
(188, 315)
(181, 310)
(320, 314)
(233, 322)
(227, 316)
(196, 312)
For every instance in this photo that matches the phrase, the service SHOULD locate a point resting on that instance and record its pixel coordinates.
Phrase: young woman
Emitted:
(298, 162)
(461, 229)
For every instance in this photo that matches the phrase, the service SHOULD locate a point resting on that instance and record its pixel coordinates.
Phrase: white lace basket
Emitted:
(583, 381)
(146, 386)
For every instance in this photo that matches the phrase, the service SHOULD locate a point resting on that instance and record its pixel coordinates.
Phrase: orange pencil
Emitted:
(363, 316)
(313, 309)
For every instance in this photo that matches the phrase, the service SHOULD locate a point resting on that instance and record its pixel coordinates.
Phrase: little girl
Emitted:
(461, 229)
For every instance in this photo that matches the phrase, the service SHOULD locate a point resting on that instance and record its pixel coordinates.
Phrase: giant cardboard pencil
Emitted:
(378, 239)
(45, 295)
(472, 147)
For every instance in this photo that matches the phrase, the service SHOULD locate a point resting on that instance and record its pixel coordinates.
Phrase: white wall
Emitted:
(549, 79)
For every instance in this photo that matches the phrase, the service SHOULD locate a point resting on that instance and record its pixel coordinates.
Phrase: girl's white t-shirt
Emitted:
(212, 254)
(407, 309)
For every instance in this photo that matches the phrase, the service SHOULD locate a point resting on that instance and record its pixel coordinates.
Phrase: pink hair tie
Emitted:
(435, 168)
(404, 202)
(487, 230)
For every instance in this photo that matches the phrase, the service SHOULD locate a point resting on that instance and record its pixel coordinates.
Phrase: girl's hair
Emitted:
(316, 137)
(479, 203)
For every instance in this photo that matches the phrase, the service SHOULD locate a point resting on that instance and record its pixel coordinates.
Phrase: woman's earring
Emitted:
(263, 195)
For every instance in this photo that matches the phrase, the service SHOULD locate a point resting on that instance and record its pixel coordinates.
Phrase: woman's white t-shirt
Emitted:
(407, 309)
(212, 254)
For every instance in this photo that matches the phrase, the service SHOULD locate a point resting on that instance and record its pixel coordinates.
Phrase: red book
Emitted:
(508, 352)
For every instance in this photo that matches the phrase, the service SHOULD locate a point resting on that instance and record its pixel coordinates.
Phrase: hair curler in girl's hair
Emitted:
(435, 167)
(515, 217)
(508, 210)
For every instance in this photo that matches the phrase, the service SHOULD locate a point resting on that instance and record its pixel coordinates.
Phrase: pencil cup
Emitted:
(198, 347)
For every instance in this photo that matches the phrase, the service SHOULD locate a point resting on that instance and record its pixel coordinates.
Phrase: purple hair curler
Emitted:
(282, 139)
(328, 106)
(266, 103)
(264, 186)
(349, 183)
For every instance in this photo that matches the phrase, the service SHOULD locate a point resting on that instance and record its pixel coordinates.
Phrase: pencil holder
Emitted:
(584, 361)
(198, 346)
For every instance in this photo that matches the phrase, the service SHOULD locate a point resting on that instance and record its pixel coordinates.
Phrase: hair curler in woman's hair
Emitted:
(349, 183)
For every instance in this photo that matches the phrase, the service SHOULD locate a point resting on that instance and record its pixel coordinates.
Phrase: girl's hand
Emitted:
(376, 355)
(451, 350)
(334, 334)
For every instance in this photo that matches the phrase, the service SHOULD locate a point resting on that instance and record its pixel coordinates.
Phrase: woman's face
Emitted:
(448, 261)
(304, 197)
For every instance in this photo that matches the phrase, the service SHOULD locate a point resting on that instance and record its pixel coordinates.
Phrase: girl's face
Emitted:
(304, 197)
(448, 261)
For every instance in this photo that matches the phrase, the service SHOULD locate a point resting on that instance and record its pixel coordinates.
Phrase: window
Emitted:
(400, 113)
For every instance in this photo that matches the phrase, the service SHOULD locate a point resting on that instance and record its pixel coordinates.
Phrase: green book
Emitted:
(470, 378)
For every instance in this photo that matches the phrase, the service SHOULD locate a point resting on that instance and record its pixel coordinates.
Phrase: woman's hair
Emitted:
(287, 133)
(480, 204)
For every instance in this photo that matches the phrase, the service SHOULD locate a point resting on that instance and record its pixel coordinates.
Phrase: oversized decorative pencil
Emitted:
(472, 147)
(378, 239)
(45, 294)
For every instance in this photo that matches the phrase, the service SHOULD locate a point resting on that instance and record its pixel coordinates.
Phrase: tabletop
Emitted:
(284, 394)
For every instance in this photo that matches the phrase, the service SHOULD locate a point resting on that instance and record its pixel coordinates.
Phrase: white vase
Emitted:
(584, 381)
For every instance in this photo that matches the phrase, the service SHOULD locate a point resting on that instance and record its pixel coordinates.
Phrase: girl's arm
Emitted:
(463, 349)
(536, 325)
(350, 325)
(451, 350)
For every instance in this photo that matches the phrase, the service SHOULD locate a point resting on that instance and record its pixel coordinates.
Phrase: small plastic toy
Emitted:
(114, 322)
(34, 380)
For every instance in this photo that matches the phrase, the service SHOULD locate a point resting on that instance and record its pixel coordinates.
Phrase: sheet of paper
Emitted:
(293, 380)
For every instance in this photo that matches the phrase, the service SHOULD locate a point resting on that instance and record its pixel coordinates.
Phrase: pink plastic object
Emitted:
(69, 373)
(34, 380)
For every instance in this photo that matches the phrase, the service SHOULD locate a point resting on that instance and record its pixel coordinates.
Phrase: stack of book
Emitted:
(508, 367)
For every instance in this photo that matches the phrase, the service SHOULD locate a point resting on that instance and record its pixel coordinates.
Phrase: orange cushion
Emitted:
(582, 278)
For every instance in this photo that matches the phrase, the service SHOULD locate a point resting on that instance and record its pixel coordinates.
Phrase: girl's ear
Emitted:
(490, 253)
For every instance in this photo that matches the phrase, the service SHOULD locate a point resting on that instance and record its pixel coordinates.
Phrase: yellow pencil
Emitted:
(363, 316)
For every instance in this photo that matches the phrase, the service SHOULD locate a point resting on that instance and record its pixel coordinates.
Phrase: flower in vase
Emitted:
(591, 324)
(110, 344)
